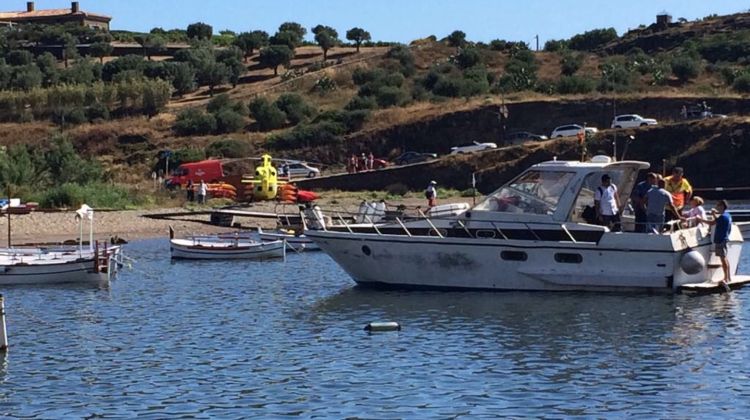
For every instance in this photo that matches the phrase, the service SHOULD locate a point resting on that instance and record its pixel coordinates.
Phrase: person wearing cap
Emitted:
(431, 194)
(607, 204)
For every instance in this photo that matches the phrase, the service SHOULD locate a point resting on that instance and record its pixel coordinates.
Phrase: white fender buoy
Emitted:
(692, 262)
(3, 331)
(383, 326)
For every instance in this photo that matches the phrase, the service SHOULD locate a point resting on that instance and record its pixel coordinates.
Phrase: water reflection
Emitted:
(273, 339)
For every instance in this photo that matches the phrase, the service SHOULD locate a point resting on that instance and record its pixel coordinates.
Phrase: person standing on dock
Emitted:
(190, 191)
(202, 192)
(723, 222)
(431, 194)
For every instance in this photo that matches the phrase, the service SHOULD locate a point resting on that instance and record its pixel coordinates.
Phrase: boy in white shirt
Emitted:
(607, 204)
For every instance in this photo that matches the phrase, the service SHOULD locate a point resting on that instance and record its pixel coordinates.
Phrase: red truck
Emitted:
(207, 170)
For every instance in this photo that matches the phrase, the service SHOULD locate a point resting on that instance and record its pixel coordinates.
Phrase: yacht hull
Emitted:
(618, 262)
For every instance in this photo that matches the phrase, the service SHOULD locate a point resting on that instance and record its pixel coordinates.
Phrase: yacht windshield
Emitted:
(535, 192)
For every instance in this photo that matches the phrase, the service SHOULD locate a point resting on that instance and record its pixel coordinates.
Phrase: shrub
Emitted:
(72, 116)
(405, 58)
(685, 68)
(575, 84)
(360, 75)
(361, 102)
(188, 154)
(615, 77)
(398, 189)
(591, 40)
(194, 122)
(295, 107)
(742, 83)
(97, 111)
(228, 148)
(96, 194)
(388, 96)
(266, 114)
(228, 121)
(456, 39)
(350, 120)
(556, 45)
(315, 134)
(570, 63)
(468, 57)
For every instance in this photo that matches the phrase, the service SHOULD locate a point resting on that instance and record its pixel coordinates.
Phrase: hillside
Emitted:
(428, 96)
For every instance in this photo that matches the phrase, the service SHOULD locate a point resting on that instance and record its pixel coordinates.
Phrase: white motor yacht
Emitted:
(530, 234)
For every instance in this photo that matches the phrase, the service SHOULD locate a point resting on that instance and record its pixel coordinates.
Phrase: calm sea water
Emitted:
(270, 339)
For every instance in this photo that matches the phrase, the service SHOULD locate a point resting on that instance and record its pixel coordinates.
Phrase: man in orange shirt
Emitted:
(679, 187)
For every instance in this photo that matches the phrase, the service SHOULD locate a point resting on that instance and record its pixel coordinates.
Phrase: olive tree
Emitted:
(275, 56)
(357, 35)
(326, 37)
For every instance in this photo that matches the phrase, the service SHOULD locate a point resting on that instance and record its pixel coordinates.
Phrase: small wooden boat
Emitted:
(94, 264)
(217, 248)
(298, 242)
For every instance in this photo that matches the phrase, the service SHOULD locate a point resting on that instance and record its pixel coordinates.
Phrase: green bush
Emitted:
(616, 76)
(228, 121)
(188, 154)
(456, 39)
(685, 68)
(556, 45)
(194, 122)
(575, 84)
(360, 75)
(94, 194)
(228, 148)
(388, 96)
(350, 120)
(592, 40)
(322, 133)
(570, 63)
(742, 83)
(468, 57)
(97, 111)
(266, 114)
(295, 107)
(405, 58)
(361, 102)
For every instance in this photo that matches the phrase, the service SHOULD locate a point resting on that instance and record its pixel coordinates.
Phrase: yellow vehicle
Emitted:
(265, 182)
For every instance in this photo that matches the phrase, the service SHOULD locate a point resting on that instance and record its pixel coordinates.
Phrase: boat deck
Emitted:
(714, 287)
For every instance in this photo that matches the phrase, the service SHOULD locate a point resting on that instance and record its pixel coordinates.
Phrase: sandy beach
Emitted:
(131, 225)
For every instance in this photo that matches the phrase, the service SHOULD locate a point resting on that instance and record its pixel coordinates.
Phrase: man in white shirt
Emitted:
(431, 194)
(607, 204)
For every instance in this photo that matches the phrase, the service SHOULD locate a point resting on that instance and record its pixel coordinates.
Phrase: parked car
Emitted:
(571, 130)
(207, 170)
(413, 157)
(632, 121)
(517, 137)
(473, 147)
(298, 169)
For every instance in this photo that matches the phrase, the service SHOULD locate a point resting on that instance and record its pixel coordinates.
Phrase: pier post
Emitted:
(3, 332)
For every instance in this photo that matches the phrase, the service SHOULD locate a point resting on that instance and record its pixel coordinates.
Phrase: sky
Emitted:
(400, 20)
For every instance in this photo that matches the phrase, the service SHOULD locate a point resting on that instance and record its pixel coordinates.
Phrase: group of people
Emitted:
(202, 191)
(360, 163)
(657, 201)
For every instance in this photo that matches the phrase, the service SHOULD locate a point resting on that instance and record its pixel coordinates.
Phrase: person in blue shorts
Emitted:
(723, 222)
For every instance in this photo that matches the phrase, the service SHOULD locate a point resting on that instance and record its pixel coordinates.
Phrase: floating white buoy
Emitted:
(383, 326)
(3, 332)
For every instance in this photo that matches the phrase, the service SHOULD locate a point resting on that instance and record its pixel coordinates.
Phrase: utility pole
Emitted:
(537, 42)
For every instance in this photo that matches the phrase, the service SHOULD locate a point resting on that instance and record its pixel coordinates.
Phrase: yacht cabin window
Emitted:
(534, 192)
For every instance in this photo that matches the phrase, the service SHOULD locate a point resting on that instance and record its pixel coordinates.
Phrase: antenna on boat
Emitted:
(7, 210)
